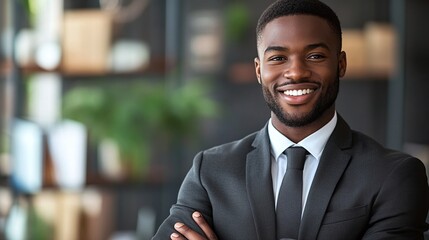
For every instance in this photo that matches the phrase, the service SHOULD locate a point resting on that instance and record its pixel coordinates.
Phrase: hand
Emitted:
(188, 233)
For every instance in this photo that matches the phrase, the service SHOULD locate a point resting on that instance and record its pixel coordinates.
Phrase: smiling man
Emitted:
(347, 187)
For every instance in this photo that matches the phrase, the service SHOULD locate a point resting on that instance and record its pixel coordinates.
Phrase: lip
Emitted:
(299, 93)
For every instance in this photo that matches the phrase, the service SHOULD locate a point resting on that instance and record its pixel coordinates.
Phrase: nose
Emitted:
(296, 70)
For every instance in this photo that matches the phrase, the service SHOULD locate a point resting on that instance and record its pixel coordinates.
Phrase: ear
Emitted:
(258, 69)
(342, 64)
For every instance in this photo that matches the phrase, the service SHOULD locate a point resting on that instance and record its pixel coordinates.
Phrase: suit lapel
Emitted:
(260, 188)
(331, 167)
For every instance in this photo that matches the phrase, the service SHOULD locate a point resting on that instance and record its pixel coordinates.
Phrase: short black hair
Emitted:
(282, 8)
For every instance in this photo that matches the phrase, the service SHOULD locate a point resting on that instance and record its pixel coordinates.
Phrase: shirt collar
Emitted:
(314, 143)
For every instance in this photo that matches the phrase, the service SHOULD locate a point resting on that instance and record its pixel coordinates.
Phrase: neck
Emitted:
(296, 134)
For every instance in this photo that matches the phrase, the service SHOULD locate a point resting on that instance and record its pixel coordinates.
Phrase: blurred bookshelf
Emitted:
(132, 56)
(81, 45)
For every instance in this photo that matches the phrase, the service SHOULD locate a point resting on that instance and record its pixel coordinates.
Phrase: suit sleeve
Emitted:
(400, 209)
(192, 197)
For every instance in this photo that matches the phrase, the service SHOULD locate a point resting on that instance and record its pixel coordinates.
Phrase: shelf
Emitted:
(367, 75)
(156, 67)
(102, 182)
(157, 175)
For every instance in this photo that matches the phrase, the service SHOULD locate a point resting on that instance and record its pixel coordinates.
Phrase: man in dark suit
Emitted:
(353, 188)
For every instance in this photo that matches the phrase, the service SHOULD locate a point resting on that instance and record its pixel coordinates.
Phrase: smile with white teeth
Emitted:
(299, 92)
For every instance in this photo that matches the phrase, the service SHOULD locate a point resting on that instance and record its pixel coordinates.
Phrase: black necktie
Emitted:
(289, 201)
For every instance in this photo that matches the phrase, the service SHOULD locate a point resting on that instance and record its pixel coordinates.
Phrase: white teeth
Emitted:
(299, 92)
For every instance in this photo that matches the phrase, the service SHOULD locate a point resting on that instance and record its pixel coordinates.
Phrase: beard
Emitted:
(294, 120)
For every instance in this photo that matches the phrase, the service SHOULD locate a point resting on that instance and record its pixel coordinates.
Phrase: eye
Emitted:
(316, 57)
(277, 58)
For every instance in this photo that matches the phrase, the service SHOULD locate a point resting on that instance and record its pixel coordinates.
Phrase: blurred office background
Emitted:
(104, 103)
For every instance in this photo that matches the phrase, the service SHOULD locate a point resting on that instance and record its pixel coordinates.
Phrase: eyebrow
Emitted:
(275, 48)
(308, 47)
(318, 45)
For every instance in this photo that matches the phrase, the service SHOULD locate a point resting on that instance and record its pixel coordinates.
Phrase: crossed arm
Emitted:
(187, 233)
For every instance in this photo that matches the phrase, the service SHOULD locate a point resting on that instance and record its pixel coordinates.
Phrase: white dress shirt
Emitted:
(314, 144)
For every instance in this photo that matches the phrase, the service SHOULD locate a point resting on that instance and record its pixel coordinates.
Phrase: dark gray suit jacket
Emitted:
(360, 191)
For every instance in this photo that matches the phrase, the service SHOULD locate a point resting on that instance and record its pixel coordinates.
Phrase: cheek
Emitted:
(269, 74)
(328, 74)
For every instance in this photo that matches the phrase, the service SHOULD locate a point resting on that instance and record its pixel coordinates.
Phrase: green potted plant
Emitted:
(137, 115)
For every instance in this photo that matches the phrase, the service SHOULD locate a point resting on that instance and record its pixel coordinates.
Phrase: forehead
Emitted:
(297, 29)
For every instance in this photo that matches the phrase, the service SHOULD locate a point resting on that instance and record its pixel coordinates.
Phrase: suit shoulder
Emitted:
(364, 145)
(240, 146)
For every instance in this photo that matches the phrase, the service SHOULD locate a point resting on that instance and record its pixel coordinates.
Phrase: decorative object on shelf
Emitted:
(354, 46)
(44, 99)
(27, 151)
(47, 26)
(109, 160)
(205, 43)
(381, 48)
(39, 44)
(140, 117)
(67, 142)
(129, 56)
(24, 47)
(371, 51)
(16, 226)
(86, 41)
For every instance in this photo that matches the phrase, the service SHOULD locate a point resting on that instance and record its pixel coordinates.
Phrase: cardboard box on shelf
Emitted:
(354, 46)
(371, 51)
(381, 48)
(86, 41)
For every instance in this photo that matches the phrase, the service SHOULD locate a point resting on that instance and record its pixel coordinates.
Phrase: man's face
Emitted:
(299, 67)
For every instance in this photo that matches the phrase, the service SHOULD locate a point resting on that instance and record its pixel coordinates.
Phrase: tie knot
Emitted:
(295, 157)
